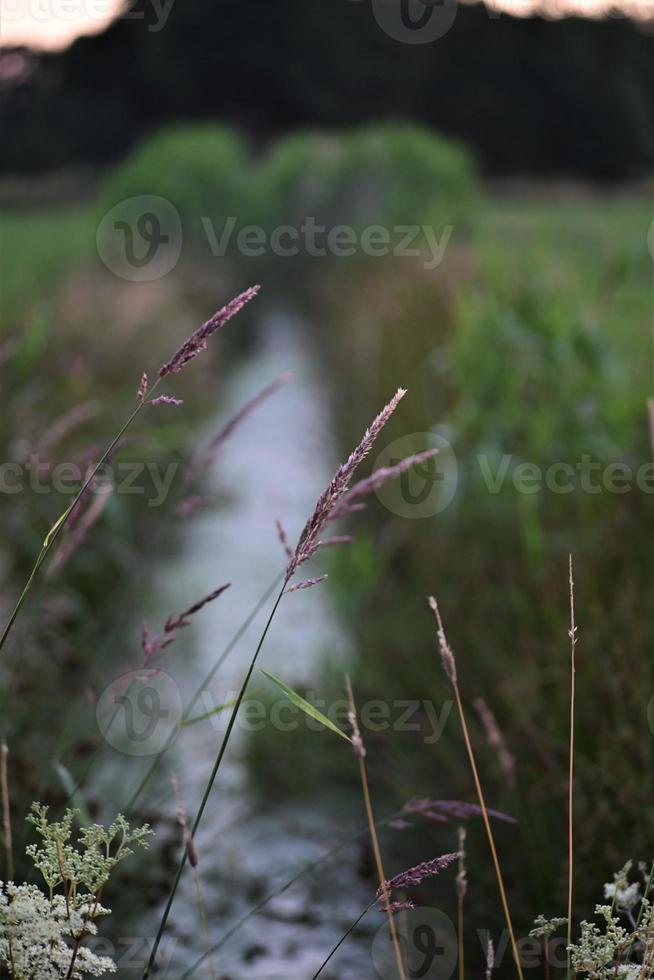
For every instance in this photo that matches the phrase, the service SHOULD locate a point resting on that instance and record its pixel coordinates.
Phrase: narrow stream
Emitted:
(274, 467)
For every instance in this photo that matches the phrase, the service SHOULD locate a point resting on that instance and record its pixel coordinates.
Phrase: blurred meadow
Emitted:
(521, 324)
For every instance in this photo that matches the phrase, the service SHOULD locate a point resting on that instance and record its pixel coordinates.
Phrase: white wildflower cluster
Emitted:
(544, 928)
(42, 935)
(35, 933)
(625, 895)
(623, 946)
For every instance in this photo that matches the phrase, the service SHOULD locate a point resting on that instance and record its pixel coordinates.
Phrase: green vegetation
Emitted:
(38, 250)
(532, 341)
(378, 175)
(529, 344)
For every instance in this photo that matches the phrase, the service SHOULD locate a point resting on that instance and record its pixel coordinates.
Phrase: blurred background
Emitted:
(451, 197)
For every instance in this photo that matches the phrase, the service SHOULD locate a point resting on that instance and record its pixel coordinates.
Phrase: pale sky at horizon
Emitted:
(53, 24)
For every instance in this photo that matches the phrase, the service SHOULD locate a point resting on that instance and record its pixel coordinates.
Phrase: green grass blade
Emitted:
(207, 714)
(306, 707)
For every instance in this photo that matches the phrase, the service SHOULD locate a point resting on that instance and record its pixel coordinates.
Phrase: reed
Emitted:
(336, 501)
(384, 885)
(449, 665)
(190, 349)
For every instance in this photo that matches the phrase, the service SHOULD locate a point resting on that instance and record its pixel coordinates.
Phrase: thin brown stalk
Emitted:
(449, 664)
(6, 811)
(361, 758)
(573, 642)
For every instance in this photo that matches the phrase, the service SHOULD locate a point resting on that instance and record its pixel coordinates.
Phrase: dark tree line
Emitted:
(531, 96)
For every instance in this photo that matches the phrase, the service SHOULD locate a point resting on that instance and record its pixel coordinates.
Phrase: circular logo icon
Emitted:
(139, 712)
(140, 239)
(415, 21)
(650, 714)
(428, 945)
(425, 489)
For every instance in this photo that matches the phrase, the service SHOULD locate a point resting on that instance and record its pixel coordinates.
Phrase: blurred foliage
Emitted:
(202, 170)
(38, 249)
(378, 175)
(389, 175)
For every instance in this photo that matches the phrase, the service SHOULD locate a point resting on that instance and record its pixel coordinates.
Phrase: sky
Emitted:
(55, 23)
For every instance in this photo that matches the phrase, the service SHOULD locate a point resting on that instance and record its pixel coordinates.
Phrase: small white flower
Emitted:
(625, 898)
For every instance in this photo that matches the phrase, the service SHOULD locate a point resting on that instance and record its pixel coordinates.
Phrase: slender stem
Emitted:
(489, 831)
(357, 744)
(212, 778)
(571, 773)
(245, 625)
(380, 867)
(462, 971)
(342, 940)
(282, 888)
(56, 530)
(6, 811)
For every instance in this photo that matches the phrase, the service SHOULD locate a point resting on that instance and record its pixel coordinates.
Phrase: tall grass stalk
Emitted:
(191, 348)
(449, 664)
(363, 775)
(59, 525)
(307, 869)
(336, 501)
(209, 786)
(240, 632)
(341, 941)
(571, 772)
(6, 811)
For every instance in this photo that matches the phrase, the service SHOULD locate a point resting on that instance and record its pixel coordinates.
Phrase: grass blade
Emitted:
(305, 706)
(207, 714)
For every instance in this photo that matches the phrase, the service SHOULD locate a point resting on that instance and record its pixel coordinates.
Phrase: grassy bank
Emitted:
(532, 343)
